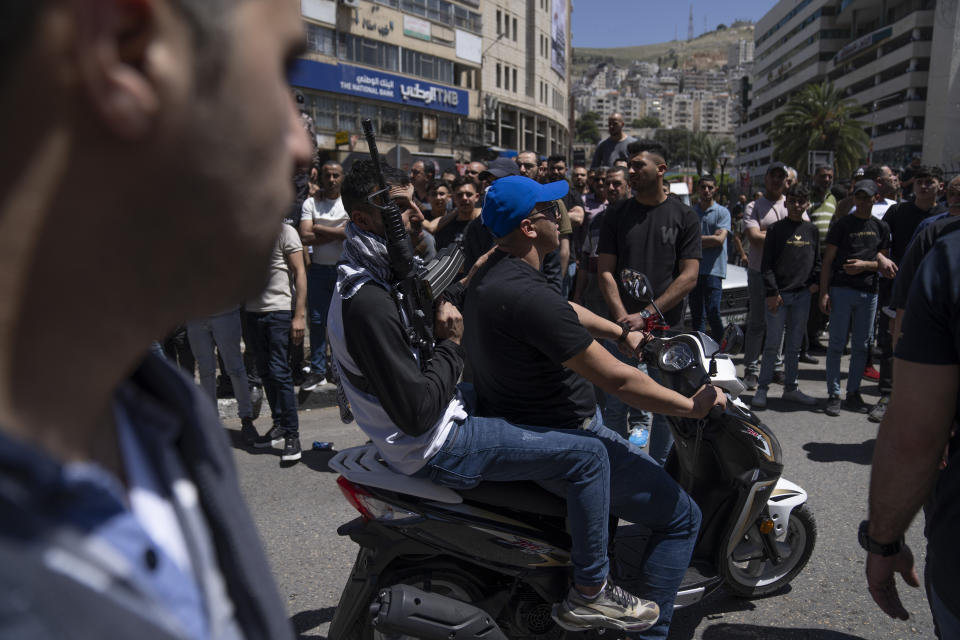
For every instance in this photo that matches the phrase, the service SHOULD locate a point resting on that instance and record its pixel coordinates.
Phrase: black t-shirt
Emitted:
(452, 232)
(517, 332)
(856, 238)
(651, 240)
(903, 219)
(931, 335)
(791, 256)
(477, 240)
(915, 254)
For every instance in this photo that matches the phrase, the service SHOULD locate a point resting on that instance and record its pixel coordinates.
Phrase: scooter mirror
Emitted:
(732, 341)
(636, 285)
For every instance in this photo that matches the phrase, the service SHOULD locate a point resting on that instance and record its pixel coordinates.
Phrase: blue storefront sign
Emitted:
(378, 85)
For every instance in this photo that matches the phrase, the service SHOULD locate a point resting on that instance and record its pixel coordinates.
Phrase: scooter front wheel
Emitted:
(755, 575)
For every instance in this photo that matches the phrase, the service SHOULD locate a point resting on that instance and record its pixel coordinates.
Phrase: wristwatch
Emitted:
(869, 544)
(645, 314)
(625, 327)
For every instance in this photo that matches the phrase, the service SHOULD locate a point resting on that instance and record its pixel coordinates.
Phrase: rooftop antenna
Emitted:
(690, 25)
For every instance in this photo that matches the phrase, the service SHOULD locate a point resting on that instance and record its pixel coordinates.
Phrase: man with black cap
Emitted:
(416, 416)
(855, 253)
(760, 214)
(534, 356)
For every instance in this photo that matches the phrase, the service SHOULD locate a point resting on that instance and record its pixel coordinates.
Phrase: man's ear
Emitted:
(112, 42)
(362, 219)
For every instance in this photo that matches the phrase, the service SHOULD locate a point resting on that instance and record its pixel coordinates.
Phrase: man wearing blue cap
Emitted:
(417, 419)
(534, 355)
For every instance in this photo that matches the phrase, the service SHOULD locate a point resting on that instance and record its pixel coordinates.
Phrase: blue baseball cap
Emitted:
(511, 199)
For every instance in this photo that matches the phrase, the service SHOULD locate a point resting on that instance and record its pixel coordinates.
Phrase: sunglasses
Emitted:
(550, 212)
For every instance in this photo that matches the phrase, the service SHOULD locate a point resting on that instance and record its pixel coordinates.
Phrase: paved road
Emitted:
(298, 509)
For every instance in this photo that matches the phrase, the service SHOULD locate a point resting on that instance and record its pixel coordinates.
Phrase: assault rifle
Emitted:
(414, 288)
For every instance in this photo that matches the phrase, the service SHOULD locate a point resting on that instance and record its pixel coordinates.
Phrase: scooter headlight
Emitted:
(677, 357)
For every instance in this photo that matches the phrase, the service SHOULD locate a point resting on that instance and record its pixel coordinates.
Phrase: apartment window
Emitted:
(369, 52)
(410, 125)
(389, 122)
(390, 3)
(499, 17)
(498, 75)
(514, 79)
(506, 78)
(514, 29)
(427, 66)
(320, 40)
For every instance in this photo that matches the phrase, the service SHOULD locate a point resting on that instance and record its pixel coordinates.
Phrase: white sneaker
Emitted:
(799, 397)
(759, 399)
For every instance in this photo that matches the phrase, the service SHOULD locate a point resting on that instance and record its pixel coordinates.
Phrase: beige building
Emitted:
(898, 58)
(525, 78)
(413, 67)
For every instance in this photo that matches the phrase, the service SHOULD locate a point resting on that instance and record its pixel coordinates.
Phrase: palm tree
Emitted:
(819, 118)
(708, 150)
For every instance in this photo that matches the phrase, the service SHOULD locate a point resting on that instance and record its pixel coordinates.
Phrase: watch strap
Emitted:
(885, 549)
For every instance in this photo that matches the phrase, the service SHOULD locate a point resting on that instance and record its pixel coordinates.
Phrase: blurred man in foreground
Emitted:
(120, 514)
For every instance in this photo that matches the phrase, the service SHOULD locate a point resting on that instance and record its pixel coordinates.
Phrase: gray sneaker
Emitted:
(613, 608)
(750, 381)
(879, 410)
(799, 397)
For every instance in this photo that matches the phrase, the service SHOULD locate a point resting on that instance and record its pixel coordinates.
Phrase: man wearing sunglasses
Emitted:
(534, 355)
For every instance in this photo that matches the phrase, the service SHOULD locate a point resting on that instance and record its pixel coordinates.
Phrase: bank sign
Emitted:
(378, 85)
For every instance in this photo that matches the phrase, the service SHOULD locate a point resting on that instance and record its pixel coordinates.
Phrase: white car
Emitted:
(733, 301)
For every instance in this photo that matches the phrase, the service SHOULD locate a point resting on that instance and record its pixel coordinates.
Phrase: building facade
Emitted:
(412, 66)
(525, 76)
(897, 58)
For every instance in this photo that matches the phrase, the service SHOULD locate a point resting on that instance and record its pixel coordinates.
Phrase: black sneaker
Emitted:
(855, 403)
(778, 377)
(273, 439)
(750, 381)
(806, 358)
(256, 400)
(311, 381)
(833, 405)
(291, 449)
(248, 432)
(879, 410)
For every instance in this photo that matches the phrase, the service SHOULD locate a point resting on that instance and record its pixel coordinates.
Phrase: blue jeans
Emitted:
(792, 314)
(321, 282)
(848, 304)
(705, 305)
(641, 492)
(756, 323)
(492, 449)
(617, 414)
(271, 334)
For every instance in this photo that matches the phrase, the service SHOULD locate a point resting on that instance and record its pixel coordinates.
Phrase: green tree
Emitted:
(708, 149)
(587, 129)
(819, 118)
(646, 122)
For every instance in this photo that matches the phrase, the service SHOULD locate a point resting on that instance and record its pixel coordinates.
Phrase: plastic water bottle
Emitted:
(639, 437)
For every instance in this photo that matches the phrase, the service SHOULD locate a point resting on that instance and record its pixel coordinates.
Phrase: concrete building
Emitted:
(898, 58)
(740, 53)
(527, 55)
(412, 67)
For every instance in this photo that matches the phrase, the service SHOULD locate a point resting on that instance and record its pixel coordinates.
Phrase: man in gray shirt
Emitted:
(614, 147)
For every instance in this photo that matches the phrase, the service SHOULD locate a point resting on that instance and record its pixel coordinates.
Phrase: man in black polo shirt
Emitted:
(534, 355)
(658, 236)
(918, 426)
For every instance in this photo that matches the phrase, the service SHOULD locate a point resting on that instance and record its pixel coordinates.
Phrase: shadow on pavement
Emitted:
(317, 460)
(685, 621)
(834, 452)
(307, 620)
(726, 631)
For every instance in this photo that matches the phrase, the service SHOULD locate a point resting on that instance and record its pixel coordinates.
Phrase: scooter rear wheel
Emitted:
(759, 576)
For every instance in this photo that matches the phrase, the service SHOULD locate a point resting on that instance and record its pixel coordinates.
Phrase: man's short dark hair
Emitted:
(437, 183)
(616, 169)
(872, 172)
(462, 180)
(557, 157)
(822, 167)
(927, 171)
(650, 146)
(708, 177)
(798, 191)
(360, 182)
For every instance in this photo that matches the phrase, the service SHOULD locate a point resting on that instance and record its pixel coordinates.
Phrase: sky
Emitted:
(625, 23)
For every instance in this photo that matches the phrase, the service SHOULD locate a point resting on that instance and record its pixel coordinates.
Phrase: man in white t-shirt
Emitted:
(322, 225)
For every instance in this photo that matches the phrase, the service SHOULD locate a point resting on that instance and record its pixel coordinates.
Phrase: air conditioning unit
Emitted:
(350, 3)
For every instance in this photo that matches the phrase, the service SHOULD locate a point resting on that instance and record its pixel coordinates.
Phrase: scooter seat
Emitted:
(525, 496)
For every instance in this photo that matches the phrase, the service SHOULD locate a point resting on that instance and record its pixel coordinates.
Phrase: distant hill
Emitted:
(705, 52)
